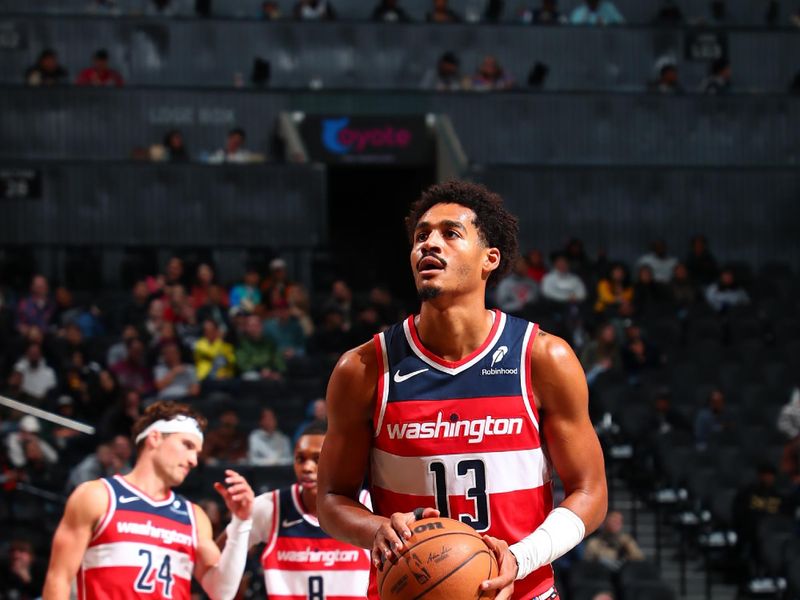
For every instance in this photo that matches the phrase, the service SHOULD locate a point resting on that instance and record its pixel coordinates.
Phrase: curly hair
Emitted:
(497, 227)
(166, 411)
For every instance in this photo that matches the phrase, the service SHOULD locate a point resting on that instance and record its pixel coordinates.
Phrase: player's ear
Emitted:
(491, 259)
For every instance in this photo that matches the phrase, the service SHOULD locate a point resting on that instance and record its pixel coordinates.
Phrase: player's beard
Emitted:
(428, 293)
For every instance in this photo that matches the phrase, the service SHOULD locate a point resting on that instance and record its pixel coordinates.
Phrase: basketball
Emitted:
(443, 560)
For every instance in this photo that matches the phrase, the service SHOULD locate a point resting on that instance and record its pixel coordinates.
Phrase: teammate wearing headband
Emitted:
(133, 537)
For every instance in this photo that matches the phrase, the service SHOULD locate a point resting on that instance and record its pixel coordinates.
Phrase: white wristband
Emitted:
(560, 532)
(221, 582)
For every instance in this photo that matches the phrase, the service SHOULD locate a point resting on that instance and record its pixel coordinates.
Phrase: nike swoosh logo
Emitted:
(126, 499)
(401, 378)
(291, 523)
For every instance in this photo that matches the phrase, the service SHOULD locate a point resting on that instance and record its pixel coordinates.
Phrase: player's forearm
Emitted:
(590, 503)
(348, 520)
(56, 587)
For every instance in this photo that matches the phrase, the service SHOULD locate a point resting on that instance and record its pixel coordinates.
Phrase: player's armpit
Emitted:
(559, 386)
(84, 509)
(345, 455)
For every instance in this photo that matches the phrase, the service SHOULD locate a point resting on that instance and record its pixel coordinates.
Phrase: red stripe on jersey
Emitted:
(108, 583)
(380, 388)
(528, 377)
(449, 363)
(428, 428)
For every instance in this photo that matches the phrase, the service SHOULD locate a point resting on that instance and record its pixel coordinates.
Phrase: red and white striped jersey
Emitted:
(142, 548)
(463, 436)
(301, 561)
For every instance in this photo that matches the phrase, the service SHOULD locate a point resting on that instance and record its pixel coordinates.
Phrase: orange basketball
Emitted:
(443, 560)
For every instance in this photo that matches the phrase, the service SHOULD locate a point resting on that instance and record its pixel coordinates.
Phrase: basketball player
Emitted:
(300, 560)
(461, 411)
(133, 537)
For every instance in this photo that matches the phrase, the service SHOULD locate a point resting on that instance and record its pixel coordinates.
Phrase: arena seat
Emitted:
(590, 574)
(648, 590)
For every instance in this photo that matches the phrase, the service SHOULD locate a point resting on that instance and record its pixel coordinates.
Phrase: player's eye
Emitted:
(422, 236)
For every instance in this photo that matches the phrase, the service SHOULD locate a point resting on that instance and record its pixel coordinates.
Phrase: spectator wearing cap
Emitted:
(596, 12)
(21, 575)
(100, 74)
(442, 13)
(47, 70)
(173, 378)
(447, 75)
(257, 356)
(719, 78)
(37, 309)
(19, 443)
(38, 378)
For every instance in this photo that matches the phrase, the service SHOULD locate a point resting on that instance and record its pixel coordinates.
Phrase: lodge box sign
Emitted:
(383, 140)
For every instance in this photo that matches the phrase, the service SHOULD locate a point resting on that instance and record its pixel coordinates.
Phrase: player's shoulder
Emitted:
(358, 363)
(89, 501)
(550, 351)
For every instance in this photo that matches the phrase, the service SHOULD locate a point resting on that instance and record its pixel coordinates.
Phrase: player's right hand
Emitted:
(392, 534)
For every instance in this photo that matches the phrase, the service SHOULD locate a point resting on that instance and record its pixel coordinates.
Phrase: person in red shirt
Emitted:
(100, 74)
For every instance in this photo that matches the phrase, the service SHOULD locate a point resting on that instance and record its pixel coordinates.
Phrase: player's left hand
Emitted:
(237, 494)
(504, 582)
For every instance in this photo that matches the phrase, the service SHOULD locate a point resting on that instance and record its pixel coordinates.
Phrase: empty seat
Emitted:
(648, 590)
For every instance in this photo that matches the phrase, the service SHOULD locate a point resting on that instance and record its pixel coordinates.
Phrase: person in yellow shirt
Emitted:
(614, 290)
(214, 358)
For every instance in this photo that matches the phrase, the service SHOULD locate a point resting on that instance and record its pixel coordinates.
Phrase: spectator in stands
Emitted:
(389, 11)
(537, 268)
(79, 377)
(546, 14)
(300, 309)
(101, 463)
(442, 13)
(447, 76)
(614, 290)
(134, 311)
(175, 147)
(661, 263)
(789, 426)
(579, 261)
(133, 372)
(46, 71)
(36, 309)
(682, 290)
(596, 12)
(38, 378)
(727, 292)
(381, 299)
(234, 150)
(701, 262)
(247, 295)
(601, 353)
(105, 392)
(100, 74)
(332, 336)
(516, 290)
(668, 81)
(27, 437)
(267, 445)
(714, 418)
(225, 443)
(669, 14)
(317, 410)
(175, 379)
(719, 78)
(665, 418)
(611, 546)
(256, 354)
(275, 288)
(204, 279)
(752, 504)
(215, 307)
(561, 286)
(21, 576)
(490, 76)
(270, 11)
(214, 358)
(120, 417)
(70, 341)
(314, 10)
(649, 295)
(341, 300)
(174, 273)
(118, 351)
(286, 330)
(639, 353)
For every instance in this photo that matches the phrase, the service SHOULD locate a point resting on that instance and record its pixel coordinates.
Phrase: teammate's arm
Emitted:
(220, 572)
(85, 507)
(559, 387)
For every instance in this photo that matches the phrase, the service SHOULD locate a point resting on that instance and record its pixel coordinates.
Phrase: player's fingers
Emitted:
(222, 490)
(400, 523)
(430, 513)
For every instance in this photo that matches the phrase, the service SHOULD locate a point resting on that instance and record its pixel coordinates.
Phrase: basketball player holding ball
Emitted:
(132, 537)
(462, 412)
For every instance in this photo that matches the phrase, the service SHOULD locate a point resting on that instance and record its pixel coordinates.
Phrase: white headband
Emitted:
(179, 424)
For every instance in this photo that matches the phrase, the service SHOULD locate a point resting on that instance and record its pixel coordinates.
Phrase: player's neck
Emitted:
(144, 477)
(309, 500)
(454, 332)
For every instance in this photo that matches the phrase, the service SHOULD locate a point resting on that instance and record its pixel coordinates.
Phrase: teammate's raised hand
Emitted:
(237, 494)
